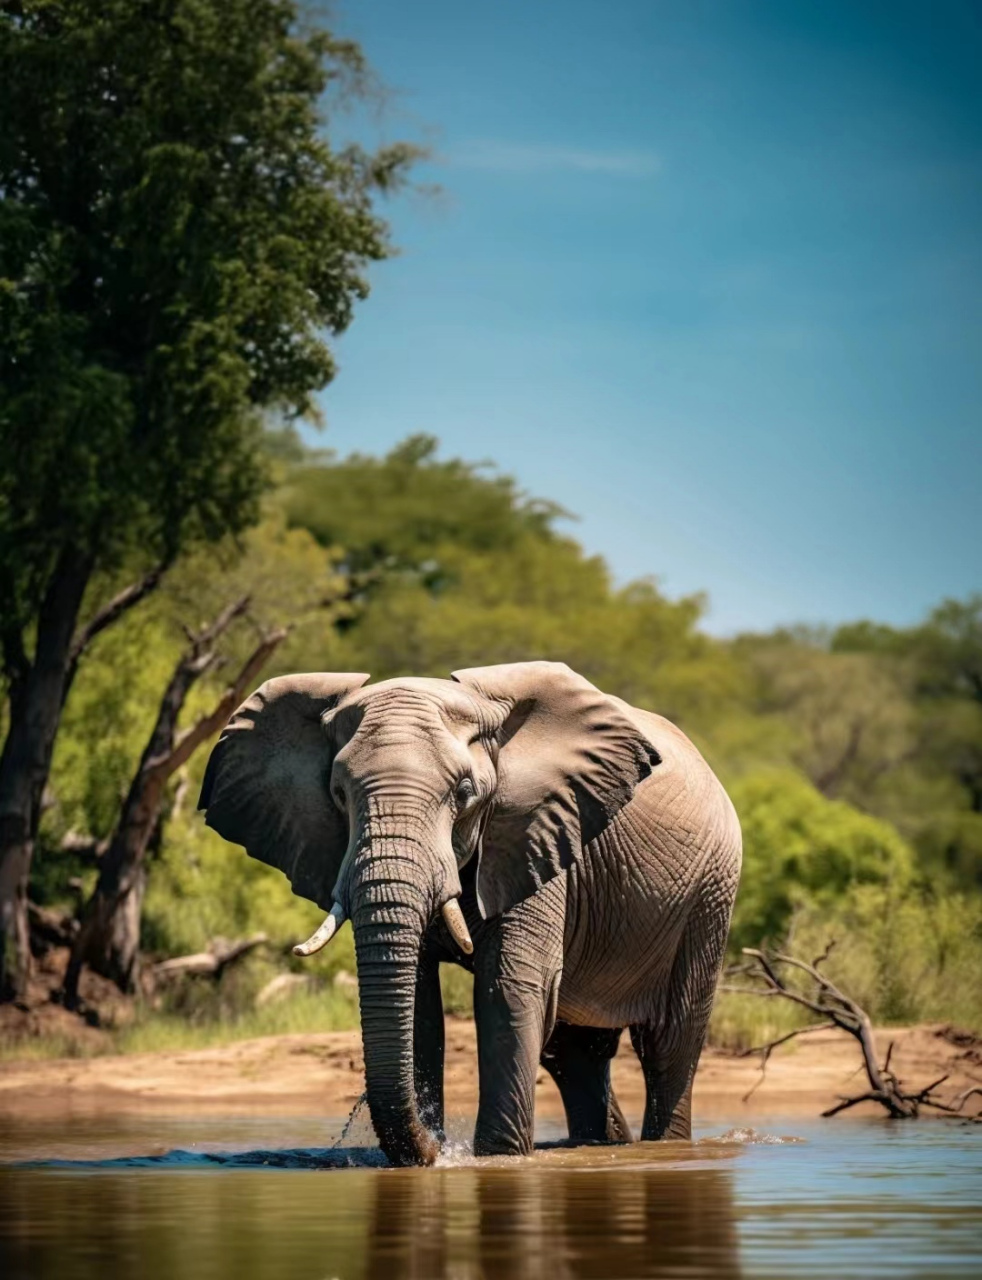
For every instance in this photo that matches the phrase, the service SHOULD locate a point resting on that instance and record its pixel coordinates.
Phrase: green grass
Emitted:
(743, 1022)
(309, 1013)
(457, 986)
(51, 1045)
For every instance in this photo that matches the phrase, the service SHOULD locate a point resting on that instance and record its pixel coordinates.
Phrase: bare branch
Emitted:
(209, 634)
(121, 869)
(845, 1103)
(840, 1011)
(771, 1045)
(765, 1050)
(213, 962)
(188, 742)
(109, 613)
(827, 951)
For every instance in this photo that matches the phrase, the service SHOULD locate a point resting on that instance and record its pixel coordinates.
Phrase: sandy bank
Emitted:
(323, 1074)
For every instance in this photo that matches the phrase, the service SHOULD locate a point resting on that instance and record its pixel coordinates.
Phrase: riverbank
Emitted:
(324, 1074)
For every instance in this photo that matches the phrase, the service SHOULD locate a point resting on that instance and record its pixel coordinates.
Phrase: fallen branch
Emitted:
(211, 963)
(766, 973)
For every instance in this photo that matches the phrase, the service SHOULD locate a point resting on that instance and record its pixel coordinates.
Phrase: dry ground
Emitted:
(324, 1074)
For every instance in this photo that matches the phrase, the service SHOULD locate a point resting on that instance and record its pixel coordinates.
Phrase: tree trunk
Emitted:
(36, 699)
(109, 939)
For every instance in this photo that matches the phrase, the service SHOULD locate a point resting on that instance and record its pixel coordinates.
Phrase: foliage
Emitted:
(452, 566)
(408, 511)
(176, 237)
(905, 956)
(308, 1013)
(802, 850)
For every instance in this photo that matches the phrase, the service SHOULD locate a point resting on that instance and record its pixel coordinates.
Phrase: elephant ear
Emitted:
(267, 782)
(568, 760)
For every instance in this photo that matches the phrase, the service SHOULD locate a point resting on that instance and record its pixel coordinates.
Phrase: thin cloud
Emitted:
(518, 157)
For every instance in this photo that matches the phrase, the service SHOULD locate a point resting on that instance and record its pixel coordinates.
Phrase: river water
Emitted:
(243, 1198)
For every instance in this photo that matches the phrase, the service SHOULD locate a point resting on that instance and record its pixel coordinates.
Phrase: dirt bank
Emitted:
(323, 1074)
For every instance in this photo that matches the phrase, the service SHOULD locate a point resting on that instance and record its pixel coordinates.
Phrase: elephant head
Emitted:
(372, 798)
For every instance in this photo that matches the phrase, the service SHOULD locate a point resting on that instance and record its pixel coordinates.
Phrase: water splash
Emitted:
(455, 1153)
(748, 1138)
(349, 1124)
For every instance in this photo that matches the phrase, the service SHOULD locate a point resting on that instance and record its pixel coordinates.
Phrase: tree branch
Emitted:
(188, 742)
(108, 614)
(209, 634)
(213, 962)
(839, 1010)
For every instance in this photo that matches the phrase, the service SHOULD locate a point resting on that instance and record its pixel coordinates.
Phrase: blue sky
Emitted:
(707, 274)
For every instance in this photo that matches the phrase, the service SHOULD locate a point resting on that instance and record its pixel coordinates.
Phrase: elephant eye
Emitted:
(465, 792)
(337, 794)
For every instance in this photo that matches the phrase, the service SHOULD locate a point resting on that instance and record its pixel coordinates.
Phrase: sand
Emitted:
(324, 1074)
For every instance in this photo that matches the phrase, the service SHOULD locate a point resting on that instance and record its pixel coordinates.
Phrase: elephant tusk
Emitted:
(323, 935)
(453, 918)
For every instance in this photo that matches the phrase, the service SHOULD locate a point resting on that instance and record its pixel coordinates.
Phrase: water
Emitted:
(205, 1199)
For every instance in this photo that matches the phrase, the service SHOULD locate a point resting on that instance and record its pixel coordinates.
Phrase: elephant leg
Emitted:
(517, 971)
(669, 1046)
(668, 1063)
(428, 1044)
(578, 1059)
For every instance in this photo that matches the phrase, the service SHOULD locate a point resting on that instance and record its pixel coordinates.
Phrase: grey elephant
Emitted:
(577, 853)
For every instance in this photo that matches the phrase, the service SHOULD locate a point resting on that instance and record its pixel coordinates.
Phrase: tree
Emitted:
(176, 238)
(452, 565)
(802, 850)
(849, 713)
(410, 513)
(109, 936)
(938, 798)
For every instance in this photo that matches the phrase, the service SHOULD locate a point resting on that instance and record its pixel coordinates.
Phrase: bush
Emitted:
(801, 851)
(906, 957)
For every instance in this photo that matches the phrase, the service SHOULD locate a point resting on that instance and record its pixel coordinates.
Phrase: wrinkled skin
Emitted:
(594, 854)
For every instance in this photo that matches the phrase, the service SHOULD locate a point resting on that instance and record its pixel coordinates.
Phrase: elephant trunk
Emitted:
(391, 903)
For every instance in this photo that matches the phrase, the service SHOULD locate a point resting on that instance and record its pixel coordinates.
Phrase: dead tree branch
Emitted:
(767, 975)
(107, 615)
(211, 963)
(109, 937)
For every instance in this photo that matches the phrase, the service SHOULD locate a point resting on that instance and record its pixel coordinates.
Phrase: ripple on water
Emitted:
(749, 1138)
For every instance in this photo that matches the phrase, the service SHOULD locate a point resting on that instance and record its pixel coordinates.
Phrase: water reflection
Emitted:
(569, 1224)
(558, 1215)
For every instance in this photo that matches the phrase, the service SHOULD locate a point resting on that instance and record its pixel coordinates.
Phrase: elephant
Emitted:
(578, 854)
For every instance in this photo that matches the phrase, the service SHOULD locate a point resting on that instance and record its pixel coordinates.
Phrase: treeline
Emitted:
(854, 757)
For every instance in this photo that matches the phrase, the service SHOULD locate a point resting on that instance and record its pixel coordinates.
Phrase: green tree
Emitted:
(177, 236)
(849, 713)
(452, 565)
(937, 797)
(802, 850)
(410, 513)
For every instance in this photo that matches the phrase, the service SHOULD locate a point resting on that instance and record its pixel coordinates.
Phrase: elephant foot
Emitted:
(502, 1144)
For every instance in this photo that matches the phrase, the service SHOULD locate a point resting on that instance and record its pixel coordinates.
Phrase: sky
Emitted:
(705, 273)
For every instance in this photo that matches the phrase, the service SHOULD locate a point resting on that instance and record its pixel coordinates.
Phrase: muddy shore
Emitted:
(324, 1074)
